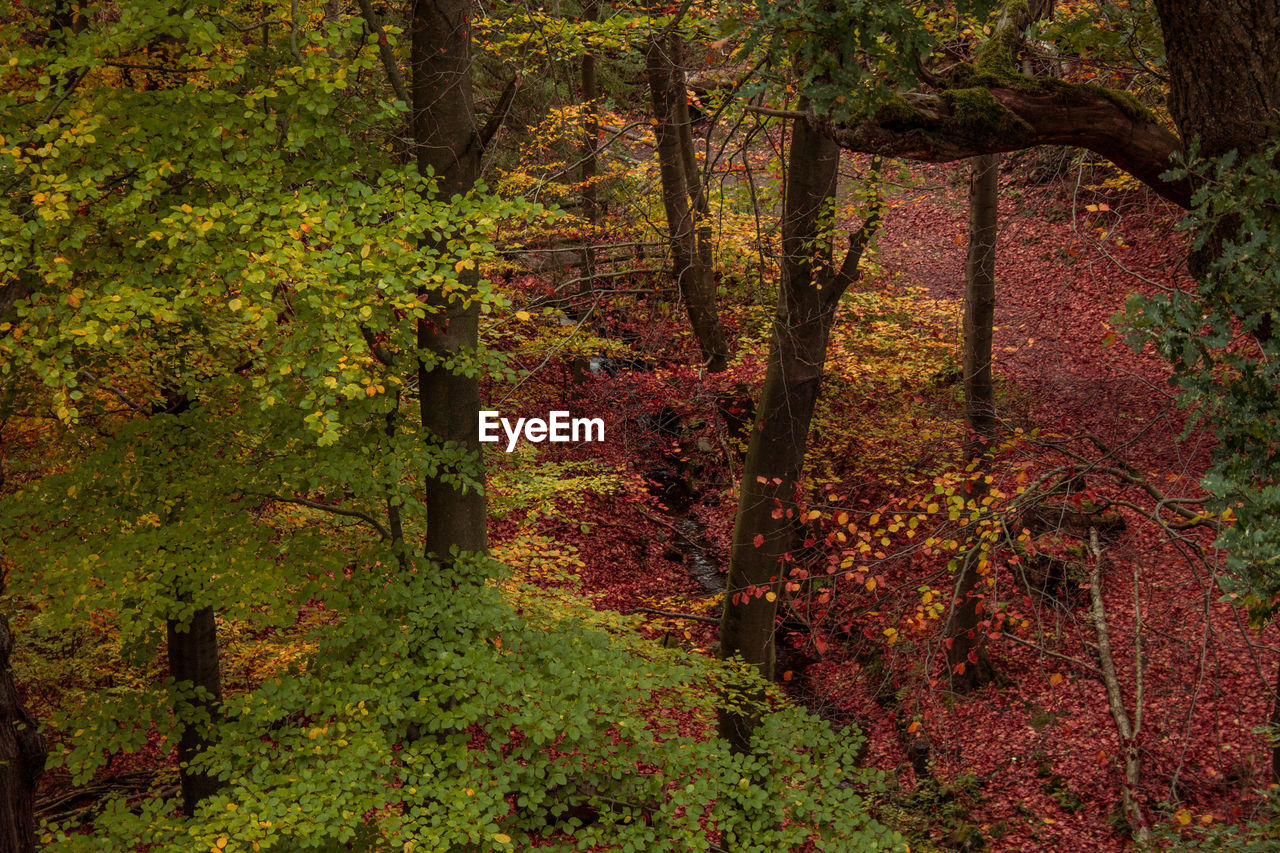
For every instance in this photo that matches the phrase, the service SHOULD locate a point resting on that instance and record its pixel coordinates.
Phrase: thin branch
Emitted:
(385, 53)
(1088, 667)
(710, 620)
(769, 111)
(334, 510)
(499, 114)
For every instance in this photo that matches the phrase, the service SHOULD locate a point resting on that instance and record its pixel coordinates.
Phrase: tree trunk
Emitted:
(591, 128)
(704, 261)
(590, 143)
(692, 267)
(22, 756)
(967, 658)
(980, 301)
(1224, 82)
(447, 143)
(1274, 721)
(193, 658)
(807, 298)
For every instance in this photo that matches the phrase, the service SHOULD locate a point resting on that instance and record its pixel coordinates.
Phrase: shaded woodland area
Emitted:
(937, 505)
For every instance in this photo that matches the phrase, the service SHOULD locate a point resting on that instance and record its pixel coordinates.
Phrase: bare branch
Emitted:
(499, 114)
(335, 510)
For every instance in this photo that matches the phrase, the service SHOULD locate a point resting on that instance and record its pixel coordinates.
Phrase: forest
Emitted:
(634, 425)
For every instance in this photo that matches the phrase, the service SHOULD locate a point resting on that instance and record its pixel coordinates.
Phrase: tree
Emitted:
(683, 197)
(22, 757)
(968, 661)
(765, 526)
(229, 311)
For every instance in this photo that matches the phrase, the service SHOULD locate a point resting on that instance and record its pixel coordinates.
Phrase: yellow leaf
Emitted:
(1183, 816)
(813, 513)
(502, 838)
(222, 842)
(770, 596)
(871, 584)
(364, 250)
(235, 304)
(1055, 679)
(523, 315)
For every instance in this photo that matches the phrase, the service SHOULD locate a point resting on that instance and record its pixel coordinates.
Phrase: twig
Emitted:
(710, 620)
(335, 510)
(1042, 650)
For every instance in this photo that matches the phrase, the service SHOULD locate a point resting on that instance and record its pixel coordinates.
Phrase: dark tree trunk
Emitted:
(980, 301)
(1224, 81)
(1275, 726)
(193, 658)
(967, 657)
(807, 298)
(22, 756)
(446, 141)
(690, 257)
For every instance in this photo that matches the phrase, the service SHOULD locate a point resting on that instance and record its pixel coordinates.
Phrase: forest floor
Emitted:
(643, 521)
(1030, 762)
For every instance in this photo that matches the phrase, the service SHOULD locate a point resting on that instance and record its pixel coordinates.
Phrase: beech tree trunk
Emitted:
(690, 255)
(193, 657)
(807, 296)
(22, 757)
(447, 142)
(967, 658)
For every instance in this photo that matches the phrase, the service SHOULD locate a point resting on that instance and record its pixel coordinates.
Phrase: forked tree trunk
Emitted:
(807, 297)
(193, 658)
(447, 142)
(22, 757)
(967, 657)
(690, 258)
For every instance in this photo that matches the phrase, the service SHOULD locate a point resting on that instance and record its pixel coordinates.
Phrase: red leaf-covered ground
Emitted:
(1032, 761)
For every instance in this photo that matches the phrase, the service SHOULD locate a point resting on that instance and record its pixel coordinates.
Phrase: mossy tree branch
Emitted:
(989, 119)
(990, 107)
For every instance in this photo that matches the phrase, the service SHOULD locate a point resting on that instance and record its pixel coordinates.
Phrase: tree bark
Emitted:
(807, 297)
(968, 661)
(591, 124)
(22, 757)
(447, 144)
(690, 257)
(590, 144)
(980, 300)
(933, 128)
(1224, 82)
(193, 658)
